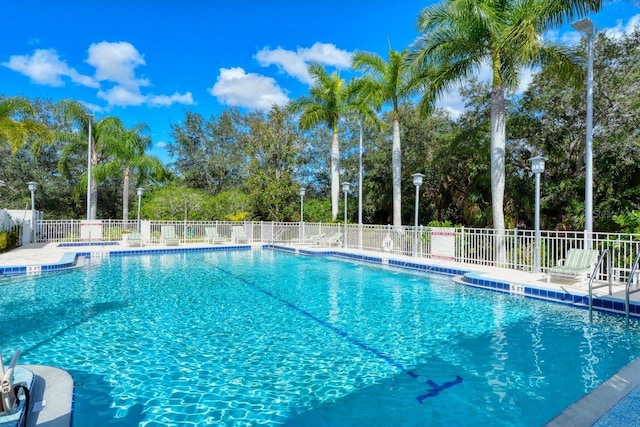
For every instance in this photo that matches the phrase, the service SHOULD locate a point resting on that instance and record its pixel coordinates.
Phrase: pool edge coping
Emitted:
(599, 402)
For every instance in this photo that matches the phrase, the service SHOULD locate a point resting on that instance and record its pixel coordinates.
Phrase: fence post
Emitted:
(515, 248)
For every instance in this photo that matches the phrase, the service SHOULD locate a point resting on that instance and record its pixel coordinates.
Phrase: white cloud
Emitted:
(45, 67)
(452, 102)
(115, 74)
(236, 87)
(94, 108)
(286, 60)
(295, 63)
(116, 62)
(570, 38)
(119, 95)
(326, 53)
(526, 78)
(622, 29)
(161, 144)
(166, 100)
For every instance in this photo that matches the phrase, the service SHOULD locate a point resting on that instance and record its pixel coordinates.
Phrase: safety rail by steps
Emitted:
(594, 274)
(628, 290)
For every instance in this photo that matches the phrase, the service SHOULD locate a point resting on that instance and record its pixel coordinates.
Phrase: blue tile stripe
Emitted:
(70, 259)
(76, 244)
(434, 389)
(479, 280)
(601, 303)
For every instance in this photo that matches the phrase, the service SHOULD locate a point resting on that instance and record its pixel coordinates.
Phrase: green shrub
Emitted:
(9, 239)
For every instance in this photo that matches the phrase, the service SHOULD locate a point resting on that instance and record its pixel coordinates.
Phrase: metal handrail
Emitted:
(627, 290)
(593, 276)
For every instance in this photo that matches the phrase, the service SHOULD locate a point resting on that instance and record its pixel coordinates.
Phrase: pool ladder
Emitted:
(593, 276)
(628, 291)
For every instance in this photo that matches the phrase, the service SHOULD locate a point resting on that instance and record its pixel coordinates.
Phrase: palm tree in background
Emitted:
(461, 36)
(17, 125)
(127, 156)
(329, 99)
(388, 81)
(104, 133)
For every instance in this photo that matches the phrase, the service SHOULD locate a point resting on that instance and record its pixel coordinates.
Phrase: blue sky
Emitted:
(151, 60)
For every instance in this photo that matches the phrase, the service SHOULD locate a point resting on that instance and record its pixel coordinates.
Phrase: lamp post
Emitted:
(345, 189)
(537, 167)
(417, 181)
(302, 192)
(32, 188)
(89, 152)
(586, 27)
(139, 190)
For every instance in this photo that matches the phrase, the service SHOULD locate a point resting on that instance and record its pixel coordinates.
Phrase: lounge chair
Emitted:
(135, 239)
(311, 238)
(237, 234)
(334, 240)
(168, 236)
(579, 264)
(212, 236)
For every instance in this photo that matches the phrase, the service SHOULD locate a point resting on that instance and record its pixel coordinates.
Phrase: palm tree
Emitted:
(17, 123)
(388, 82)
(460, 36)
(128, 156)
(105, 134)
(329, 99)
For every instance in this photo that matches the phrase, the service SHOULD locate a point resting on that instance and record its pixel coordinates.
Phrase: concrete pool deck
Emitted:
(613, 403)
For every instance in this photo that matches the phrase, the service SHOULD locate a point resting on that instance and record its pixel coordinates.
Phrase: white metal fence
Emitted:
(512, 249)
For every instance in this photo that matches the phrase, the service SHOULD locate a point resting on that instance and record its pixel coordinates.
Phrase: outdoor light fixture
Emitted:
(32, 188)
(89, 150)
(345, 189)
(139, 190)
(537, 167)
(417, 181)
(586, 27)
(2, 183)
(302, 192)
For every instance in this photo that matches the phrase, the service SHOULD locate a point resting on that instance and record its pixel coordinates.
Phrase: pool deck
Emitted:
(613, 403)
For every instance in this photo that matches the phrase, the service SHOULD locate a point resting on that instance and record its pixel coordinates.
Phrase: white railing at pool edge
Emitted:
(472, 245)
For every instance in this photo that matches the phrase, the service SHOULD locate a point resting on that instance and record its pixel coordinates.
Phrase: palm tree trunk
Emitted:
(498, 137)
(335, 176)
(396, 161)
(125, 194)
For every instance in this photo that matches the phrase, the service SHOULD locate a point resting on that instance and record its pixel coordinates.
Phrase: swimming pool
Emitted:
(257, 337)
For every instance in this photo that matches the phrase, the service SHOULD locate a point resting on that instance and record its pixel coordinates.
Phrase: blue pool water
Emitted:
(266, 338)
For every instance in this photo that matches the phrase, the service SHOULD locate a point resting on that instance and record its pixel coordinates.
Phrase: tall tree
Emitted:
(328, 100)
(459, 36)
(105, 134)
(388, 81)
(17, 124)
(207, 153)
(271, 144)
(127, 155)
(553, 118)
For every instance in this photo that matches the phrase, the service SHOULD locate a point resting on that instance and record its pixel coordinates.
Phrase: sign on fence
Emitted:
(443, 243)
(90, 230)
